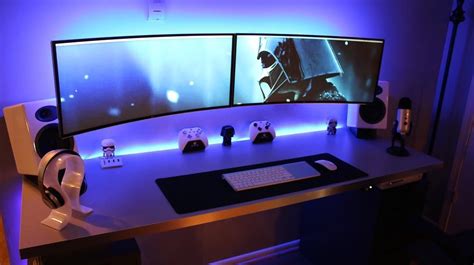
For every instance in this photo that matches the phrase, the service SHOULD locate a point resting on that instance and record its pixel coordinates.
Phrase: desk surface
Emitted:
(127, 202)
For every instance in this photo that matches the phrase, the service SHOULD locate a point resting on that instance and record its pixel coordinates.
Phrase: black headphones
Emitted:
(51, 197)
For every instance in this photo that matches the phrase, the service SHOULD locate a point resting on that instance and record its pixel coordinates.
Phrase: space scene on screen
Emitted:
(113, 81)
(273, 69)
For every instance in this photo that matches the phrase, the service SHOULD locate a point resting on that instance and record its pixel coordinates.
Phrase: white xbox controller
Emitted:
(261, 131)
(192, 139)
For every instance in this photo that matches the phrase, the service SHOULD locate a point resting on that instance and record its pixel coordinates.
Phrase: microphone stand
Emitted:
(457, 16)
(396, 136)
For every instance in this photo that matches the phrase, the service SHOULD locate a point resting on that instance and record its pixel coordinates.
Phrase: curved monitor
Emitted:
(302, 68)
(109, 81)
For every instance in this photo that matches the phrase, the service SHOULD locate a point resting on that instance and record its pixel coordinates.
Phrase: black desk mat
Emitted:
(207, 190)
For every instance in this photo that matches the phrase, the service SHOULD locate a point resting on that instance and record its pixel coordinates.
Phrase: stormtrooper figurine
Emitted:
(108, 148)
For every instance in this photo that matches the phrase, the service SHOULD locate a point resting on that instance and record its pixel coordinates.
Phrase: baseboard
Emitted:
(260, 254)
(4, 259)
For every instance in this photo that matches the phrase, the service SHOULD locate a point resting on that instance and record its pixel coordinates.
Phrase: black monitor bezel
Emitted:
(234, 60)
(234, 37)
(57, 85)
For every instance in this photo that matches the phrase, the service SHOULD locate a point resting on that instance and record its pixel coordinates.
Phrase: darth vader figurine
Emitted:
(298, 70)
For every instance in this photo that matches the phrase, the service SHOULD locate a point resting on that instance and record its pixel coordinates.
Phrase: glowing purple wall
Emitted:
(28, 28)
(414, 32)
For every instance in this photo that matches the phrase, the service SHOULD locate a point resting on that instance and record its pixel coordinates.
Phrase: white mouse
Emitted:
(327, 164)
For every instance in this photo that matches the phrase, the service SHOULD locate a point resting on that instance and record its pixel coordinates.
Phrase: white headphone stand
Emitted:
(69, 189)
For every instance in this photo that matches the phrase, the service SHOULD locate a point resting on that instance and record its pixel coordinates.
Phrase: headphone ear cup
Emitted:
(48, 201)
(53, 198)
(83, 186)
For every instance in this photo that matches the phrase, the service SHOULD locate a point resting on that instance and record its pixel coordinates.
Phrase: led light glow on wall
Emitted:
(213, 140)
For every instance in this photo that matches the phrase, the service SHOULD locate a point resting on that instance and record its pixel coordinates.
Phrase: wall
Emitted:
(408, 62)
(414, 32)
(457, 213)
(443, 182)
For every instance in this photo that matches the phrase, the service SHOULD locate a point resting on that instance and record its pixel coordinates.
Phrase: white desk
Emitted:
(127, 202)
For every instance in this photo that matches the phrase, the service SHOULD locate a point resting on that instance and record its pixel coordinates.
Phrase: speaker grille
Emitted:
(374, 112)
(46, 113)
(48, 139)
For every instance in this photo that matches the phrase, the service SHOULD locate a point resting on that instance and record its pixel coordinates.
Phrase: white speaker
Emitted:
(364, 119)
(33, 131)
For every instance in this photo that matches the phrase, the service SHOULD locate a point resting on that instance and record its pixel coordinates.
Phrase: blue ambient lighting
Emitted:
(307, 128)
(103, 23)
(142, 149)
(213, 139)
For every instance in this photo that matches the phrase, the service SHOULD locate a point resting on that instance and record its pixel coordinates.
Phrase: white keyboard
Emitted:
(266, 176)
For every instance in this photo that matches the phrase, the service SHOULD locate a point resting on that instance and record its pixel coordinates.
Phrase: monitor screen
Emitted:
(292, 68)
(104, 82)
